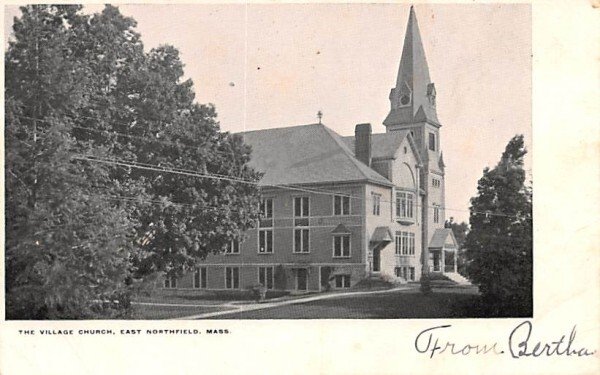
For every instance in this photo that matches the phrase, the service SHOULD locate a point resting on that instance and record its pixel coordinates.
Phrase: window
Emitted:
(265, 236)
(432, 141)
(436, 183)
(436, 214)
(266, 208)
(301, 235)
(404, 205)
(342, 281)
(301, 241)
(405, 243)
(408, 273)
(233, 248)
(376, 204)
(200, 278)
(341, 205)
(301, 211)
(301, 207)
(265, 277)
(265, 241)
(170, 282)
(232, 277)
(341, 246)
(266, 213)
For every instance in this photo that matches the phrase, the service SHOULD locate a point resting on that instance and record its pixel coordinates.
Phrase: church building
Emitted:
(337, 210)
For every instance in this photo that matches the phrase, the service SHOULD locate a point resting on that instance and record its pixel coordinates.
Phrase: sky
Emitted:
(277, 65)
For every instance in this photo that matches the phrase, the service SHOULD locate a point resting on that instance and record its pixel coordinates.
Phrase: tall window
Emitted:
(436, 214)
(404, 204)
(265, 277)
(301, 232)
(301, 240)
(376, 204)
(232, 277)
(436, 183)
(341, 246)
(234, 247)
(405, 243)
(200, 278)
(301, 207)
(265, 231)
(266, 213)
(170, 282)
(341, 205)
(432, 141)
(265, 241)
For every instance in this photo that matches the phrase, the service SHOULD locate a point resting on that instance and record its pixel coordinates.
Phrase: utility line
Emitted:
(138, 137)
(219, 177)
(228, 178)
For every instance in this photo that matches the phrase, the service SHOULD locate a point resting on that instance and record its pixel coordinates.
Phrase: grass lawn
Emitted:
(186, 303)
(443, 303)
(150, 312)
(204, 297)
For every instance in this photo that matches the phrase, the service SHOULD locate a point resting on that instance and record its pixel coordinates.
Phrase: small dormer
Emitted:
(431, 94)
(401, 96)
(404, 95)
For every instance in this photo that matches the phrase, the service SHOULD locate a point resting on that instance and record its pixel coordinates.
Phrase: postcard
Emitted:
(327, 188)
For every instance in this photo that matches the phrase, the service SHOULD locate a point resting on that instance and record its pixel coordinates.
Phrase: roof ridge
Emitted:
(279, 128)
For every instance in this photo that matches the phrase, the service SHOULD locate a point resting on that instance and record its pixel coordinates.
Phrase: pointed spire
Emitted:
(441, 161)
(414, 88)
(413, 64)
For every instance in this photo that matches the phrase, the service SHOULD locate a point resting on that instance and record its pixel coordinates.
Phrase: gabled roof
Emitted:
(305, 154)
(385, 145)
(341, 229)
(440, 235)
(382, 234)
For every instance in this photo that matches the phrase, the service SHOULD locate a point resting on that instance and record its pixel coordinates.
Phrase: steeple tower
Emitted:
(413, 109)
(413, 98)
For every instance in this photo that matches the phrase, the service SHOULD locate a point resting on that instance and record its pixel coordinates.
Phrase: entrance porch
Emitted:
(381, 237)
(443, 250)
(443, 260)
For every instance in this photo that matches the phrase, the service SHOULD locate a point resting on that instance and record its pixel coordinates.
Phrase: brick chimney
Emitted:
(362, 143)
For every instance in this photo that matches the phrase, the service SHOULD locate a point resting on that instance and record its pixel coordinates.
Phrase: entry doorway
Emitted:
(376, 260)
(301, 279)
(436, 262)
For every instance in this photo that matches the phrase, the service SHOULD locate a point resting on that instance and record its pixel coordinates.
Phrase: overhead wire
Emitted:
(192, 173)
(219, 177)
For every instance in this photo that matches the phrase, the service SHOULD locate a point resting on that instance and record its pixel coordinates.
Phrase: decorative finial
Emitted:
(320, 116)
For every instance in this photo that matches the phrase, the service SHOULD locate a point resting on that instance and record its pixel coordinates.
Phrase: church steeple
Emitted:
(413, 98)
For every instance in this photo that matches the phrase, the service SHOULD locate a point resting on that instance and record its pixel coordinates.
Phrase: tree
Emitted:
(499, 244)
(144, 97)
(200, 215)
(67, 251)
(113, 172)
